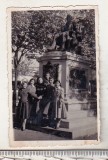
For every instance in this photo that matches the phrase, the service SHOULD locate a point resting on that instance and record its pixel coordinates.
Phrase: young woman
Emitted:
(60, 110)
(40, 87)
(49, 100)
(23, 103)
(32, 97)
(25, 95)
(47, 93)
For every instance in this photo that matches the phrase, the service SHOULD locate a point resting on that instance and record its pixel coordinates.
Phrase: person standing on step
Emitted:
(32, 98)
(40, 91)
(46, 79)
(60, 109)
(24, 104)
(50, 97)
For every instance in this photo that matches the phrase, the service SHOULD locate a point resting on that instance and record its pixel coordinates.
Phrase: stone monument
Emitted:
(65, 62)
(60, 64)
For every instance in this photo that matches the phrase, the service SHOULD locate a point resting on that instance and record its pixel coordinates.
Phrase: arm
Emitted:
(62, 95)
(32, 93)
(19, 94)
(35, 95)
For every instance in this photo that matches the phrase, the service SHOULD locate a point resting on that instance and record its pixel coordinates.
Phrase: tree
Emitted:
(45, 24)
(32, 31)
(21, 43)
(24, 67)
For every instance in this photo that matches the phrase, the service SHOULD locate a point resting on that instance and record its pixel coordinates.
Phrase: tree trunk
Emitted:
(16, 77)
(16, 88)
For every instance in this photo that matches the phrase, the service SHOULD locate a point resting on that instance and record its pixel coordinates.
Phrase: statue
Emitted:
(69, 37)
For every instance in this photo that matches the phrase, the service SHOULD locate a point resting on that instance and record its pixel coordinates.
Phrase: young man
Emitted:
(47, 78)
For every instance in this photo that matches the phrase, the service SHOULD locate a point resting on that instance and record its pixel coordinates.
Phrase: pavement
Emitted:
(30, 135)
(82, 126)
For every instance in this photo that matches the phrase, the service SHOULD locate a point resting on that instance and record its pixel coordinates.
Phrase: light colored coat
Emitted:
(60, 109)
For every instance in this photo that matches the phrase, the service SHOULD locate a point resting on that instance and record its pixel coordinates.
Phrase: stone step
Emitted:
(82, 127)
(77, 114)
(84, 131)
(61, 132)
(82, 122)
(78, 106)
(74, 107)
(77, 130)
(75, 123)
(78, 125)
(65, 122)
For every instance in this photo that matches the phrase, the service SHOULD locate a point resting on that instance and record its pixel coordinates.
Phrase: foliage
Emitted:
(24, 68)
(36, 28)
(32, 31)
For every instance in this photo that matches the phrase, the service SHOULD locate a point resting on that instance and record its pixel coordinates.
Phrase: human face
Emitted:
(47, 76)
(32, 82)
(57, 84)
(51, 81)
(40, 80)
(24, 85)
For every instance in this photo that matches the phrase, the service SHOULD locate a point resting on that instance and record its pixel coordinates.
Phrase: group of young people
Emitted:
(42, 99)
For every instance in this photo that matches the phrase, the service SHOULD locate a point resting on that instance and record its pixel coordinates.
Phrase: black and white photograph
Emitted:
(54, 70)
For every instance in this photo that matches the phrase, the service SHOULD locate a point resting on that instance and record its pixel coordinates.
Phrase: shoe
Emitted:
(57, 126)
(51, 125)
(24, 126)
(45, 116)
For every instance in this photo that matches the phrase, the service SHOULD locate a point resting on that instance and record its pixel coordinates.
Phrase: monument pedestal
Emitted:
(61, 64)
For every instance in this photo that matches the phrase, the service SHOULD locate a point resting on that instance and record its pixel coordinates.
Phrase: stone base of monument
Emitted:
(61, 132)
(81, 120)
(81, 123)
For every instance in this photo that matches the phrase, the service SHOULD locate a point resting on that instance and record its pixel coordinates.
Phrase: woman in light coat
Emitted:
(60, 109)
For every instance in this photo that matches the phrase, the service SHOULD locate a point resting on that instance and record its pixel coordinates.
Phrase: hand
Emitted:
(61, 100)
(40, 97)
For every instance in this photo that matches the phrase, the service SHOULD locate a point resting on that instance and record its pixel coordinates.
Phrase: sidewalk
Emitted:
(30, 135)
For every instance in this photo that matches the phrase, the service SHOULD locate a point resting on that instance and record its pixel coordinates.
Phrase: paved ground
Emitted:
(29, 135)
(82, 126)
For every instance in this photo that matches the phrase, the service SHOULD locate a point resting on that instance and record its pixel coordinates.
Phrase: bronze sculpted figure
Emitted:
(69, 38)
